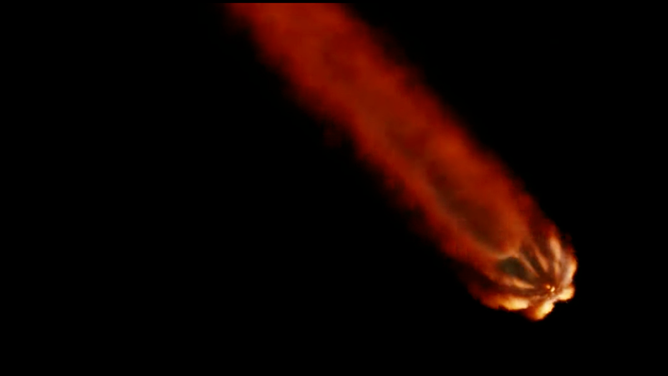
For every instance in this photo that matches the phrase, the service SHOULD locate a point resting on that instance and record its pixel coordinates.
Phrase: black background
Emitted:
(233, 219)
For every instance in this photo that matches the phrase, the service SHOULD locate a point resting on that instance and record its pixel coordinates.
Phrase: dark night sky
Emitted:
(251, 224)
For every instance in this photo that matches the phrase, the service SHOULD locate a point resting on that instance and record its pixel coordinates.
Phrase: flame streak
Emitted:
(475, 213)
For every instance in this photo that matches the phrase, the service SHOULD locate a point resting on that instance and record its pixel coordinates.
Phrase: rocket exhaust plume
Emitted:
(511, 257)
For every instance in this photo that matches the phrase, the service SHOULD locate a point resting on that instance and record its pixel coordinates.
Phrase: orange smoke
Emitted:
(510, 255)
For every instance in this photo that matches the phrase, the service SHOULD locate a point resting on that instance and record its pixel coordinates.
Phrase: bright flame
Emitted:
(566, 294)
(541, 310)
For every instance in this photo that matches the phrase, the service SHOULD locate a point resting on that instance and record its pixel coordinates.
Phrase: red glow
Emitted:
(470, 207)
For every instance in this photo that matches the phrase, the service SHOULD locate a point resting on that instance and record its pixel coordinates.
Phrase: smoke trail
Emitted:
(510, 255)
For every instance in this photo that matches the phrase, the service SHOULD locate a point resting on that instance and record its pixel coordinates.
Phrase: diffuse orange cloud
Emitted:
(511, 257)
